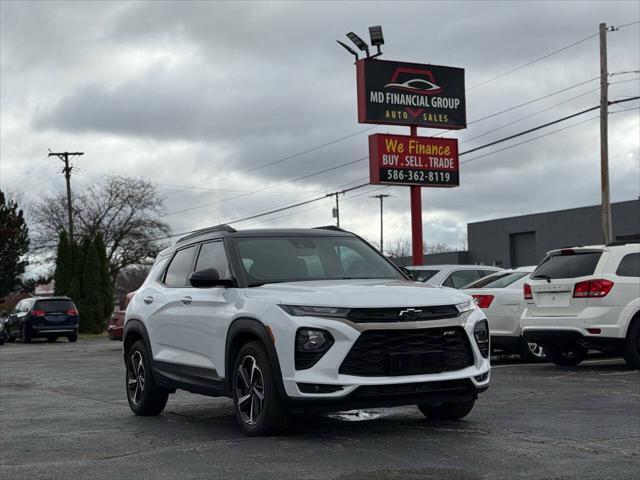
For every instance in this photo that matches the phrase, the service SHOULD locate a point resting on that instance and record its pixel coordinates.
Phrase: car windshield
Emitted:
(569, 265)
(297, 259)
(54, 306)
(422, 275)
(498, 280)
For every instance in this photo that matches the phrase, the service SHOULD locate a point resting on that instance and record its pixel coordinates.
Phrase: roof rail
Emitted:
(621, 242)
(330, 227)
(216, 228)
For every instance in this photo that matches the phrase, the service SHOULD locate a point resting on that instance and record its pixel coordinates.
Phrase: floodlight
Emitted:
(348, 49)
(358, 42)
(375, 33)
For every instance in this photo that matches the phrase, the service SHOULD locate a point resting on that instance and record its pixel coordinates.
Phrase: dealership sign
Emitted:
(402, 93)
(408, 160)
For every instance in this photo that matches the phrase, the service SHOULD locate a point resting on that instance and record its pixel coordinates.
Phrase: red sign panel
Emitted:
(407, 160)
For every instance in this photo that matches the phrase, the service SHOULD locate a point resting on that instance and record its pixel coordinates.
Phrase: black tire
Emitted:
(447, 410)
(10, 339)
(2, 338)
(257, 416)
(72, 338)
(24, 334)
(144, 396)
(567, 357)
(531, 352)
(52, 339)
(631, 349)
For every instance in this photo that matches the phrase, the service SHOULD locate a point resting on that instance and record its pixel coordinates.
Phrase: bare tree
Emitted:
(399, 248)
(124, 210)
(437, 247)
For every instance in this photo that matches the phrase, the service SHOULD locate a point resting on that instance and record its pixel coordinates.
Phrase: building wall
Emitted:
(529, 237)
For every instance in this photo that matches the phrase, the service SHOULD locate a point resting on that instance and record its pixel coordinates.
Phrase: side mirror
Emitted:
(209, 278)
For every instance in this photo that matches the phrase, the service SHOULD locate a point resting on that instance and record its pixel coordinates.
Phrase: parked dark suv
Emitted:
(43, 317)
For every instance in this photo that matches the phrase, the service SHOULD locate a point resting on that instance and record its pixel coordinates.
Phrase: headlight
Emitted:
(466, 306)
(304, 311)
(481, 333)
(311, 345)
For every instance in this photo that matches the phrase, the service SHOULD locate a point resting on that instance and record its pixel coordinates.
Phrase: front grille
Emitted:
(412, 388)
(408, 352)
(405, 314)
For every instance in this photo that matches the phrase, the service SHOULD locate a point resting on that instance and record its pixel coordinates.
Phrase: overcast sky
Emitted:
(196, 94)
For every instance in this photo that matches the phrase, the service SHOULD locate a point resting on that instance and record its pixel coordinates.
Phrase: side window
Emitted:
(18, 307)
(461, 278)
(214, 255)
(629, 265)
(180, 268)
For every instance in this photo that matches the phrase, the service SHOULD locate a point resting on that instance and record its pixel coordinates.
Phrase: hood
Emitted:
(358, 293)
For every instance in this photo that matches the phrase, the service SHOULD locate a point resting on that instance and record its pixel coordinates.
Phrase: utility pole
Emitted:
(381, 196)
(64, 156)
(336, 209)
(604, 138)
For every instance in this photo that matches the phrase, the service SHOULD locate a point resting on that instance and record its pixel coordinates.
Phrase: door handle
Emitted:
(148, 300)
(186, 300)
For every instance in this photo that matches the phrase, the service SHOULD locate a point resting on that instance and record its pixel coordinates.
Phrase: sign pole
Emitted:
(416, 217)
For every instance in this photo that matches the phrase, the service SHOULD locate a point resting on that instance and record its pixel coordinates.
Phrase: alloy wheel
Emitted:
(249, 386)
(536, 349)
(135, 377)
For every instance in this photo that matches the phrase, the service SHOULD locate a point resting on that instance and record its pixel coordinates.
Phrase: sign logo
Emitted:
(414, 80)
(409, 315)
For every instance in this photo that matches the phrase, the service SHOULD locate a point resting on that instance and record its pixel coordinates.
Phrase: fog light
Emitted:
(481, 378)
(311, 345)
(481, 333)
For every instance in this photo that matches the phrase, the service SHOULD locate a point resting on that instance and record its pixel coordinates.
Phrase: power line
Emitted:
(533, 61)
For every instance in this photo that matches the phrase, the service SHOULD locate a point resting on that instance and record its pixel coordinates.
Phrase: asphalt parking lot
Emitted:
(63, 414)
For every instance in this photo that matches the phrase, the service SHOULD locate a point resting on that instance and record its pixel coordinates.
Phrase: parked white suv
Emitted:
(585, 298)
(299, 319)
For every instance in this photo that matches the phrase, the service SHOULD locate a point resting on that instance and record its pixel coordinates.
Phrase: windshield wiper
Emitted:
(259, 284)
(542, 275)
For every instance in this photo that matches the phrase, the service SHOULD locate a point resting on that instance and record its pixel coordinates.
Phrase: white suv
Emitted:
(585, 298)
(281, 320)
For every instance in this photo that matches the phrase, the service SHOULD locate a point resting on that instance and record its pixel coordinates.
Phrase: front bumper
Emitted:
(337, 388)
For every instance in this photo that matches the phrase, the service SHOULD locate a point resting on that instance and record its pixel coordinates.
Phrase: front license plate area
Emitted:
(414, 363)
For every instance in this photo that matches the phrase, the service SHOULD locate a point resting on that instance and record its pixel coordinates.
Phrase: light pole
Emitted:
(381, 196)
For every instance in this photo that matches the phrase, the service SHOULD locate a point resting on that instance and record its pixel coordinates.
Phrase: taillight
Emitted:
(592, 288)
(526, 290)
(72, 311)
(483, 301)
(38, 313)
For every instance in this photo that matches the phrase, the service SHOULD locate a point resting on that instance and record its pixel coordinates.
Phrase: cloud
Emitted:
(201, 93)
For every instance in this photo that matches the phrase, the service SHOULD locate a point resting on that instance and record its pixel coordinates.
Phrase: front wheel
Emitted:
(258, 407)
(447, 410)
(25, 334)
(567, 357)
(73, 338)
(531, 352)
(631, 349)
(144, 396)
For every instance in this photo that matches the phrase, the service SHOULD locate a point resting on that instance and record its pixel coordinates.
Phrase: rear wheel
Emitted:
(144, 396)
(258, 407)
(447, 410)
(24, 334)
(567, 356)
(73, 338)
(631, 349)
(531, 352)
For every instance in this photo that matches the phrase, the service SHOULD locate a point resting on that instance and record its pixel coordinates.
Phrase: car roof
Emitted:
(453, 266)
(222, 231)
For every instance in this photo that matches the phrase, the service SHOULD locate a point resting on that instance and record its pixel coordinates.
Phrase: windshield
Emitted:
(54, 306)
(297, 259)
(568, 265)
(422, 275)
(498, 280)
